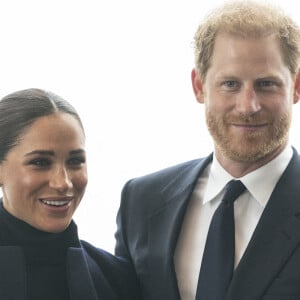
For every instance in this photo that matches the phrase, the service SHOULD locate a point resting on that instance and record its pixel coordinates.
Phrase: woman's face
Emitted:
(44, 176)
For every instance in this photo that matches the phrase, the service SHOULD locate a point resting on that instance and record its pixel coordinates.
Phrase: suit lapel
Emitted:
(164, 228)
(274, 239)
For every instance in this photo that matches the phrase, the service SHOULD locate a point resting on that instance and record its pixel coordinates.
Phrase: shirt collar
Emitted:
(269, 174)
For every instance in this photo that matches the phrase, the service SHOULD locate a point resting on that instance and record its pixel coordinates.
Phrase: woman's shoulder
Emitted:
(117, 272)
(103, 257)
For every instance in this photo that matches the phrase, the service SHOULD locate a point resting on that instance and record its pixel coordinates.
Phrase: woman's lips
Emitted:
(57, 202)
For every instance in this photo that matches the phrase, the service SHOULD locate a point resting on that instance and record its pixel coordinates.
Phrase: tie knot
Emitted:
(233, 190)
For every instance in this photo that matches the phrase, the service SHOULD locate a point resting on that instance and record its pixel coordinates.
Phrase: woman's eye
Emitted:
(76, 161)
(40, 162)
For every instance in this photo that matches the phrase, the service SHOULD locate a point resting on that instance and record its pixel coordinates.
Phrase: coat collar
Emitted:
(79, 277)
(13, 275)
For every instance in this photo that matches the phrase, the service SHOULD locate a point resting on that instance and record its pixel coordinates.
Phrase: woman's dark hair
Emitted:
(20, 109)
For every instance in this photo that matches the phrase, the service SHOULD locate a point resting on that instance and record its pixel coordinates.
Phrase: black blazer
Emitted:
(92, 274)
(149, 221)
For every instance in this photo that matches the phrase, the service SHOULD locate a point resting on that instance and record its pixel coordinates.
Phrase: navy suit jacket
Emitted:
(150, 218)
(92, 274)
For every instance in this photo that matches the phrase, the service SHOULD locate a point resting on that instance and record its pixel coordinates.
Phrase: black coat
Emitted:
(92, 274)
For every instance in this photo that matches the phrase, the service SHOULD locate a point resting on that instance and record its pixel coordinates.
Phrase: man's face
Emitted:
(248, 95)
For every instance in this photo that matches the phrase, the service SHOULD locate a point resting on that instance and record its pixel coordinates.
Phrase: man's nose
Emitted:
(248, 101)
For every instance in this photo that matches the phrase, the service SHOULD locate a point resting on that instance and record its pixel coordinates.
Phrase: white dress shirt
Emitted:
(205, 199)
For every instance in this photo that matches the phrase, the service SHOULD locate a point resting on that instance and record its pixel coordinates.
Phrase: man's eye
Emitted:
(265, 83)
(230, 84)
(268, 85)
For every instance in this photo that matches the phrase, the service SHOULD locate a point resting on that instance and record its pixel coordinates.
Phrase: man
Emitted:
(246, 75)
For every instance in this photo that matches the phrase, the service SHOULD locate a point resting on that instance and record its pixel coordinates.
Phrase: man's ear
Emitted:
(297, 88)
(197, 86)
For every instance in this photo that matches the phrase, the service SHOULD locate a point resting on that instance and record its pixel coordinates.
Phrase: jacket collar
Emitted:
(274, 239)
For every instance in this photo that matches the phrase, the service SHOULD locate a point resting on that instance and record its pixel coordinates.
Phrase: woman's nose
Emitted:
(60, 180)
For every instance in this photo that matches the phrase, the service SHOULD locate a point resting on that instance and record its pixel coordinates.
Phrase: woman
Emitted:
(43, 176)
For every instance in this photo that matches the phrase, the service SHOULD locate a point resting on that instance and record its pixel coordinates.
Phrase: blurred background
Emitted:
(125, 66)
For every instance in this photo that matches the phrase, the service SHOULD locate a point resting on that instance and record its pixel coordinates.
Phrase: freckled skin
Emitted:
(248, 95)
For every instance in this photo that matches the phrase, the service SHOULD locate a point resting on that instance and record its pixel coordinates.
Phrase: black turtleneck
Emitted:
(45, 255)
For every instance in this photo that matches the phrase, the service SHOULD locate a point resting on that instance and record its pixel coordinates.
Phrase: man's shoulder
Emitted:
(171, 173)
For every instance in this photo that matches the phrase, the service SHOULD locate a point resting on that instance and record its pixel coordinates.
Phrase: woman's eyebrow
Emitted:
(77, 151)
(40, 152)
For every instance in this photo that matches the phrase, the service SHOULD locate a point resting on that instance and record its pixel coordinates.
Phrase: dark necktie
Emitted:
(218, 257)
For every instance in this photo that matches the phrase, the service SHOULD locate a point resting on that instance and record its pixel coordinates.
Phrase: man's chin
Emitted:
(246, 153)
